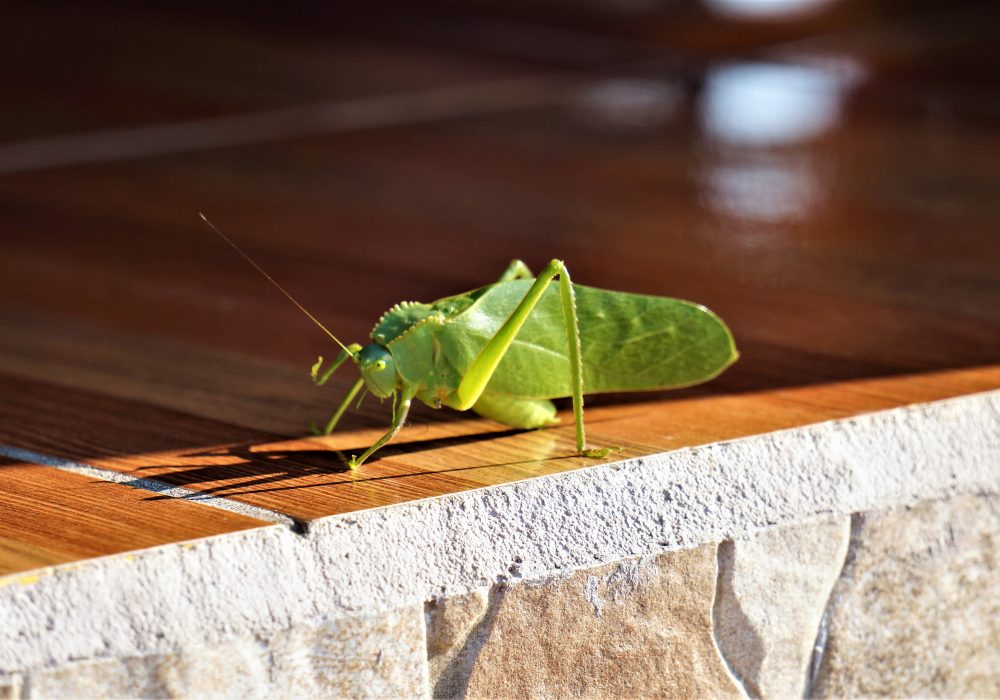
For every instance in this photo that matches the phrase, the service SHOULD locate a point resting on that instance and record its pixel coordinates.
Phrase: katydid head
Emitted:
(378, 370)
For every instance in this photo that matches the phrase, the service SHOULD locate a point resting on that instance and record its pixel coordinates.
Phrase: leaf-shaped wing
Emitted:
(630, 342)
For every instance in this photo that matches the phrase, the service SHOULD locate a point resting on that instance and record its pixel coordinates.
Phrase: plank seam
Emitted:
(153, 486)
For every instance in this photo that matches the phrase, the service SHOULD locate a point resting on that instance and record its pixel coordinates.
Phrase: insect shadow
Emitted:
(260, 468)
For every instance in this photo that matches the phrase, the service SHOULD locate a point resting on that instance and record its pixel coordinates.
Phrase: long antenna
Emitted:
(274, 282)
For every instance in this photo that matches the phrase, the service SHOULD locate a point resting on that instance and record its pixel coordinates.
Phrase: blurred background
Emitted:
(822, 173)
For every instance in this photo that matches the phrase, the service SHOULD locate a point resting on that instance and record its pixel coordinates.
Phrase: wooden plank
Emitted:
(133, 340)
(236, 389)
(58, 421)
(306, 477)
(49, 517)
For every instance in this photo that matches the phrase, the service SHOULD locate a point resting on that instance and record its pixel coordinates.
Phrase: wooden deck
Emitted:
(829, 185)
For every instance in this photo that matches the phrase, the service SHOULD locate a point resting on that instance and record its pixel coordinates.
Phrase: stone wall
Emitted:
(897, 602)
(844, 559)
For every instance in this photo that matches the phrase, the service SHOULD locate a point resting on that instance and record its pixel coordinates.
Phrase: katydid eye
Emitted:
(378, 370)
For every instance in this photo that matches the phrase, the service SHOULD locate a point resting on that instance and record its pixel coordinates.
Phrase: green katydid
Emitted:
(506, 349)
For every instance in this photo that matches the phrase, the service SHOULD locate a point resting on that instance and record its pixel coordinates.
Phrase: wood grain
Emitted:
(307, 477)
(858, 263)
(50, 517)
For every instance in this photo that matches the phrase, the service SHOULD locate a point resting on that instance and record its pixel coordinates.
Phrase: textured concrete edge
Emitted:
(258, 582)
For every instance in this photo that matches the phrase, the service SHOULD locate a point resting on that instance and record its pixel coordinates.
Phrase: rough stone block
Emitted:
(356, 657)
(450, 622)
(237, 669)
(642, 627)
(917, 608)
(773, 590)
(10, 687)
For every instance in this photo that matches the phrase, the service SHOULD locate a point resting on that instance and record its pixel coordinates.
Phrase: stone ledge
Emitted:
(258, 583)
(780, 613)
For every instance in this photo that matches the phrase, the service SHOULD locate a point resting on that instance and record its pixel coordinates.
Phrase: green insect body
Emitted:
(507, 349)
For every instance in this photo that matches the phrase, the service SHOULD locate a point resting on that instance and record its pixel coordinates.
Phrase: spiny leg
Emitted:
(572, 326)
(398, 418)
(479, 373)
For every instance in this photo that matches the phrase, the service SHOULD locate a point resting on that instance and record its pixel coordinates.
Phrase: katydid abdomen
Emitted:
(629, 342)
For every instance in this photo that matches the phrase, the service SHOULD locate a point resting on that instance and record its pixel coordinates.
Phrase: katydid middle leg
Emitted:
(517, 270)
(482, 368)
(335, 418)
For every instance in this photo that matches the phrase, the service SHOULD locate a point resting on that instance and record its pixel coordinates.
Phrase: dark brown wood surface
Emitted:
(828, 184)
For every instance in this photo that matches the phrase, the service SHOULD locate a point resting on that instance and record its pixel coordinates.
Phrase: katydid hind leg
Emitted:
(572, 326)
(482, 368)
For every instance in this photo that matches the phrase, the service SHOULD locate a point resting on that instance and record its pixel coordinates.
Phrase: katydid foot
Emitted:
(601, 452)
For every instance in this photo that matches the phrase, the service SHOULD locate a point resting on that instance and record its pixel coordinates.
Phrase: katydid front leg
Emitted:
(350, 351)
(320, 380)
(481, 371)
(398, 418)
